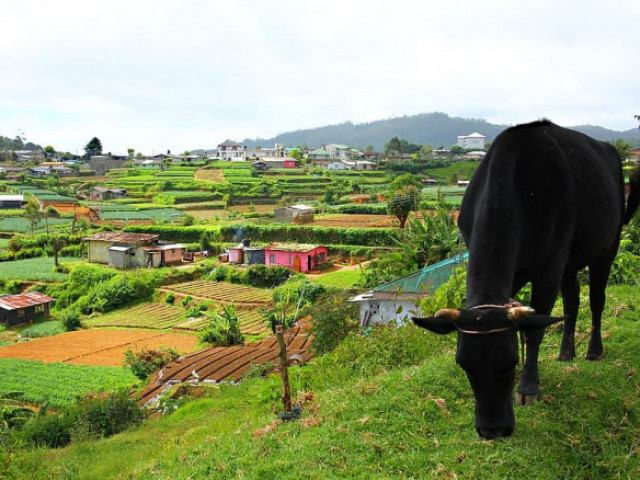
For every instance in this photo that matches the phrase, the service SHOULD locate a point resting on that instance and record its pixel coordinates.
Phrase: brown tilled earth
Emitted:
(96, 346)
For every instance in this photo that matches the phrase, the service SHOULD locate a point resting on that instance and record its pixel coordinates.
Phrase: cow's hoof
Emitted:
(525, 399)
(594, 356)
(565, 357)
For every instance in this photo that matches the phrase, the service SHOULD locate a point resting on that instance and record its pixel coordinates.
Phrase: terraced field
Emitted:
(221, 292)
(159, 316)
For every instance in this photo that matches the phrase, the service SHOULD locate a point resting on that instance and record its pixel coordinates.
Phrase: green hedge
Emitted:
(274, 233)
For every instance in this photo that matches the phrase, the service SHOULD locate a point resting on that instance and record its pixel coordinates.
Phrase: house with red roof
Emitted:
(24, 308)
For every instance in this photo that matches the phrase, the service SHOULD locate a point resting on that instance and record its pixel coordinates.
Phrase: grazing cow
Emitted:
(545, 202)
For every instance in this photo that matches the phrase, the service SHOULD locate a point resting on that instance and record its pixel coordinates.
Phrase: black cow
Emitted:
(545, 202)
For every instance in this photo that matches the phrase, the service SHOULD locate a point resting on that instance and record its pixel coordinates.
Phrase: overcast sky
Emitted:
(158, 75)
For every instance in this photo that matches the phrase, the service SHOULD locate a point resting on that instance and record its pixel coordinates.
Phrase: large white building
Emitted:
(475, 141)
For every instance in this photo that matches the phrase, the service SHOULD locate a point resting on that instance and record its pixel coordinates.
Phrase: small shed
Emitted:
(11, 201)
(294, 214)
(254, 255)
(24, 307)
(236, 254)
(393, 302)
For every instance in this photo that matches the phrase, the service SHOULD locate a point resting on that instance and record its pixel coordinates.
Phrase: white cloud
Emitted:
(157, 75)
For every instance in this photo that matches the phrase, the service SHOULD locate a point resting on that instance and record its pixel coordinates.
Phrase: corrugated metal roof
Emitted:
(425, 280)
(123, 237)
(290, 247)
(23, 300)
(120, 248)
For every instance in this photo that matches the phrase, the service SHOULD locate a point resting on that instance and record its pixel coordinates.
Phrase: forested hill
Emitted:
(435, 129)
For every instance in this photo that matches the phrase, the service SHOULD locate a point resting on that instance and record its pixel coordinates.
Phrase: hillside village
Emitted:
(183, 266)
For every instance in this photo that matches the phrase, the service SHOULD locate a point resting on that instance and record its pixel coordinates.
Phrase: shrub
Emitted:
(333, 318)
(70, 319)
(90, 417)
(186, 300)
(223, 329)
(146, 361)
(170, 298)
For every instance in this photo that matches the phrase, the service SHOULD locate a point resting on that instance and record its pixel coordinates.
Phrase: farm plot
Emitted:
(39, 269)
(158, 316)
(59, 383)
(251, 322)
(221, 292)
(153, 316)
(356, 221)
(96, 346)
(217, 364)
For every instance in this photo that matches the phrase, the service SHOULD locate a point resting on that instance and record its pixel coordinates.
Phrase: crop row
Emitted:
(222, 292)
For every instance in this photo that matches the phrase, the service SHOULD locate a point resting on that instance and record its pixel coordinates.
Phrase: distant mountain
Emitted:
(435, 129)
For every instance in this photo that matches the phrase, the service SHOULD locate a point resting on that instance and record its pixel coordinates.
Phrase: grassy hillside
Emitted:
(391, 404)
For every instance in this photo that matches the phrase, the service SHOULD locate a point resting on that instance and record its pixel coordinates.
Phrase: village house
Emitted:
(269, 163)
(24, 307)
(124, 250)
(101, 164)
(397, 301)
(300, 257)
(231, 151)
(103, 193)
(475, 141)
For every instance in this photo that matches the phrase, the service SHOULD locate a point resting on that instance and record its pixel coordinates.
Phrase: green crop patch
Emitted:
(59, 383)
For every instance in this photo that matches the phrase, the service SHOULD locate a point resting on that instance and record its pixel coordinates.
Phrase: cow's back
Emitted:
(542, 194)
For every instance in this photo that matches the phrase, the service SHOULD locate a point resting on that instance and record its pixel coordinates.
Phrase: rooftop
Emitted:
(23, 300)
(291, 247)
(123, 237)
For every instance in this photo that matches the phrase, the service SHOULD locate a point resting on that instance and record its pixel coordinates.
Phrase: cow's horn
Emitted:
(448, 314)
(518, 313)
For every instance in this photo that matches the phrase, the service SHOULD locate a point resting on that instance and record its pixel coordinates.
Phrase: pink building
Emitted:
(300, 257)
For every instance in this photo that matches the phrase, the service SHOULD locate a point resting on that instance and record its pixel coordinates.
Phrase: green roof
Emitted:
(319, 151)
(428, 278)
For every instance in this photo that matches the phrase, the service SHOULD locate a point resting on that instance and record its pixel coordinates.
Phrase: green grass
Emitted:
(392, 404)
(59, 383)
(344, 279)
(40, 269)
(44, 329)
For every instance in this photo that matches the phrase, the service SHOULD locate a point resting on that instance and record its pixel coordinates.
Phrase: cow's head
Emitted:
(488, 353)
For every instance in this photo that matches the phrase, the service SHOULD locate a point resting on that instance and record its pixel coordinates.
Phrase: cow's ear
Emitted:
(439, 325)
(533, 322)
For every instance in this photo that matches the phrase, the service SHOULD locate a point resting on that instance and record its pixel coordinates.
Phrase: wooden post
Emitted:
(284, 370)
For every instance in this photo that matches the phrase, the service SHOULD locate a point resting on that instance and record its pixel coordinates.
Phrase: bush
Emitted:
(170, 298)
(70, 319)
(223, 329)
(90, 417)
(145, 362)
(333, 318)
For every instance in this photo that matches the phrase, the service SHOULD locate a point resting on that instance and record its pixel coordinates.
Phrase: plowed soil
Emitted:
(96, 346)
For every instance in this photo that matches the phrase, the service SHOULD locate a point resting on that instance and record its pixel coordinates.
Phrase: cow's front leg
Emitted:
(529, 381)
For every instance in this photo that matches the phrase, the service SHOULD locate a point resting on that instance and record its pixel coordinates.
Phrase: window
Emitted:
(272, 258)
(321, 258)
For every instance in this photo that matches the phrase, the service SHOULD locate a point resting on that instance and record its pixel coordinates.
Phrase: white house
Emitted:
(475, 140)
(230, 150)
(396, 302)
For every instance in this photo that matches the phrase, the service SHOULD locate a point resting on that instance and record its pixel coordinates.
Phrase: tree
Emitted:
(402, 202)
(94, 147)
(402, 181)
(625, 149)
(33, 213)
(49, 150)
(130, 153)
(393, 148)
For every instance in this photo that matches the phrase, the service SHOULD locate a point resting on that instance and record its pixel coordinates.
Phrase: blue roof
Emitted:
(427, 279)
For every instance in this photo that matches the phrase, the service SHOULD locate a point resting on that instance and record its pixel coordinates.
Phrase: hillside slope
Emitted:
(435, 129)
(392, 404)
